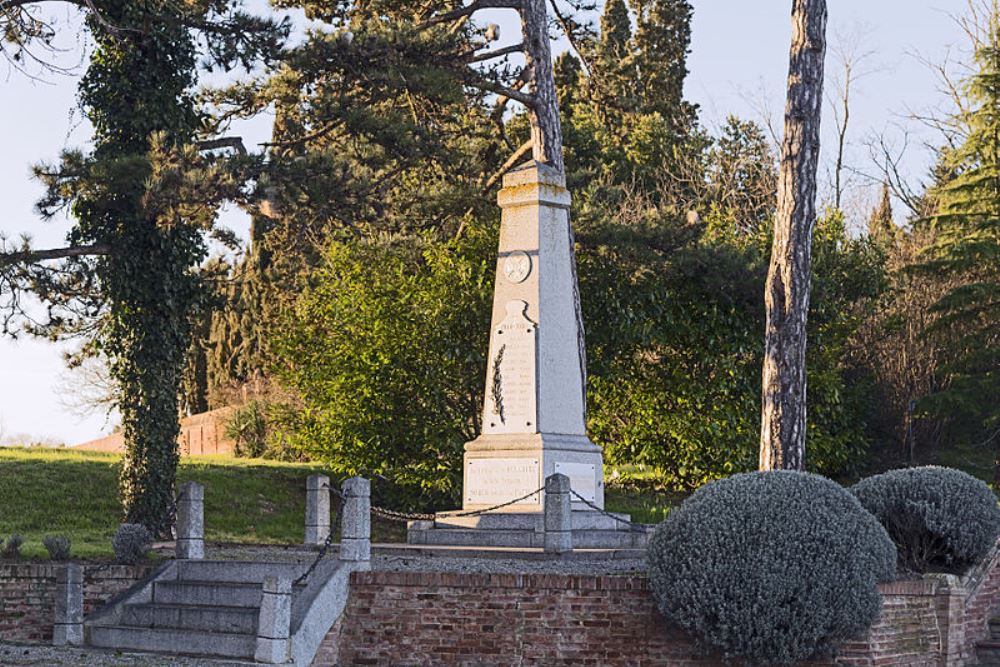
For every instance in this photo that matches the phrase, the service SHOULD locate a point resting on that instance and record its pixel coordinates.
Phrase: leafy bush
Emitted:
(131, 542)
(771, 567)
(247, 428)
(12, 548)
(57, 546)
(941, 519)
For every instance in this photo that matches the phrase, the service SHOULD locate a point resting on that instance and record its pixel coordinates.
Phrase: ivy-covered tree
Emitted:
(128, 278)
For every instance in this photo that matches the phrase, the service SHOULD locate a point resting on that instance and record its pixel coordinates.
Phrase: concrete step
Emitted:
(208, 593)
(236, 572)
(172, 641)
(528, 521)
(241, 620)
(582, 539)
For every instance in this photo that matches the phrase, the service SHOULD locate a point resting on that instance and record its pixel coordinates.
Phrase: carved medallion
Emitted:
(517, 266)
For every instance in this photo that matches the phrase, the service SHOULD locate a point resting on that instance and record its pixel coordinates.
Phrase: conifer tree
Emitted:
(967, 247)
(881, 227)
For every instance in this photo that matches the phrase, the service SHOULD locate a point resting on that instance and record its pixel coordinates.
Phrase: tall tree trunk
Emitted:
(546, 131)
(783, 412)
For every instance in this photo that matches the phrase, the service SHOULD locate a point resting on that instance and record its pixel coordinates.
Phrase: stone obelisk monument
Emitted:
(534, 417)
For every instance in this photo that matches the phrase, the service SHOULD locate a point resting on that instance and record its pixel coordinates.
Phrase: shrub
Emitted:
(247, 428)
(941, 519)
(771, 567)
(131, 542)
(57, 546)
(12, 548)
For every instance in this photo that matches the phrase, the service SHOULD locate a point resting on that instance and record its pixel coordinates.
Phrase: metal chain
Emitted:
(632, 527)
(396, 515)
(500, 506)
(326, 547)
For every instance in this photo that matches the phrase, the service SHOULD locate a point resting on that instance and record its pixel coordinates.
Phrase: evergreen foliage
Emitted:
(771, 567)
(941, 520)
(145, 199)
(966, 218)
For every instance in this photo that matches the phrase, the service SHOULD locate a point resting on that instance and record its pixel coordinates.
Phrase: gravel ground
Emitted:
(50, 656)
(508, 566)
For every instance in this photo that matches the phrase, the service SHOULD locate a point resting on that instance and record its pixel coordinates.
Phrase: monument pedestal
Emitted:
(500, 467)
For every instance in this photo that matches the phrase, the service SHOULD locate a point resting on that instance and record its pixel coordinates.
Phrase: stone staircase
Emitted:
(988, 650)
(202, 608)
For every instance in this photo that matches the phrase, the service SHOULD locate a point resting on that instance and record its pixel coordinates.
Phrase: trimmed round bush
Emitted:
(941, 519)
(58, 546)
(771, 567)
(131, 542)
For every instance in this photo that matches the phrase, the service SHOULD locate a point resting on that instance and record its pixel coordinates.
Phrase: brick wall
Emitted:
(201, 434)
(403, 619)
(27, 595)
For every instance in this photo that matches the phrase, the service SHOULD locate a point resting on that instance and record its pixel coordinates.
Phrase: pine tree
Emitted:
(662, 43)
(881, 227)
(967, 247)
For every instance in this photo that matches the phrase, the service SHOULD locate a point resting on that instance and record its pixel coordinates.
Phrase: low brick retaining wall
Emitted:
(27, 595)
(405, 618)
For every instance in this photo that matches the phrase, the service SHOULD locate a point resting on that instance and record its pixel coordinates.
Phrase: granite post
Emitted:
(68, 627)
(274, 622)
(534, 416)
(558, 515)
(191, 521)
(356, 527)
(317, 509)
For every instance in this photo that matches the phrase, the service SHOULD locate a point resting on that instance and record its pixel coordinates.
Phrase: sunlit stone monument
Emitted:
(535, 409)
(534, 417)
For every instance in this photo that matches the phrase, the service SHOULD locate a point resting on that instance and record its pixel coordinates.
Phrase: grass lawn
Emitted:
(250, 501)
(73, 493)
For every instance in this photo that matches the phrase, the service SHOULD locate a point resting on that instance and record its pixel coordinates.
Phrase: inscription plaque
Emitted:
(582, 479)
(511, 390)
(496, 481)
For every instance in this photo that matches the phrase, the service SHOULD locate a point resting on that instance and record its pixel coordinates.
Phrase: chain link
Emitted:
(635, 528)
(325, 548)
(396, 515)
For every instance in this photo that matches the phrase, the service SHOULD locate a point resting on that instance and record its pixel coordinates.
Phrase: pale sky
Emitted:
(738, 64)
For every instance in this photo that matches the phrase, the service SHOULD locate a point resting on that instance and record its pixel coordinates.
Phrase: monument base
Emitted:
(526, 530)
(500, 467)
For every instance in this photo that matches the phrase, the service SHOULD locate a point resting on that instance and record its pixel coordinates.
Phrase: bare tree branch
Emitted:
(20, 257)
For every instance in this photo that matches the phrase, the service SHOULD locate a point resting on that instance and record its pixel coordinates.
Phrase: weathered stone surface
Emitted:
(317, 509)
(534, 415)
(558, 515)
(68, 626)
(191, 521)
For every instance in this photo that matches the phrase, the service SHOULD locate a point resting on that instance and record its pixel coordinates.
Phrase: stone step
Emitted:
(994, 624)
(582, 539)
(172, 641)
(528, 521)
(242, 620)
(988, 653)
(235, 571)
(208, 593)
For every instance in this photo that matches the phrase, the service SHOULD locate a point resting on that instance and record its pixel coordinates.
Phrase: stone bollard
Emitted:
(317, 509)
(191, 522)
(356, 531)
(68, 627)
(558, 515)
(274, 622)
